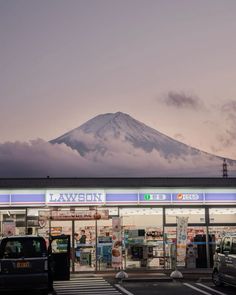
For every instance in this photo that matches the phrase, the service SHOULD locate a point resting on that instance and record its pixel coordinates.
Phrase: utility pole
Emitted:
(225, 169)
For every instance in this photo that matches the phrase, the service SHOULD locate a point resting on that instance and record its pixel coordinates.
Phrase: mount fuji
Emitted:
(122, 146)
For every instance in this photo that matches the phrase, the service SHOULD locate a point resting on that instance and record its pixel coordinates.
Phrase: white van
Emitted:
(224, 269)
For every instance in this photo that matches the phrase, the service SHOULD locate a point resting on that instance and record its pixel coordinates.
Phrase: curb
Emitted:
(152, 279)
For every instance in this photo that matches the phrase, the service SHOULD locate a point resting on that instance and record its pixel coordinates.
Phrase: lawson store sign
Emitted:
(93, 197)
(76, 197)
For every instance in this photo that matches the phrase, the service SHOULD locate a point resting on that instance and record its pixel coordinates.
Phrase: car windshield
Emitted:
(23, 247)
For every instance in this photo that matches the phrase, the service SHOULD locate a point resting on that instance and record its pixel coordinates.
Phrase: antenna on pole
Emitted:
(225, 169)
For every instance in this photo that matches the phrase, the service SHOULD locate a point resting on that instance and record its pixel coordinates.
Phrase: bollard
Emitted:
(121, 275)
(176, 274)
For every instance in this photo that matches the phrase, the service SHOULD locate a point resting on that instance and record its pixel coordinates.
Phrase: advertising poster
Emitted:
(9, 228)
(116, 243)
(181, 240)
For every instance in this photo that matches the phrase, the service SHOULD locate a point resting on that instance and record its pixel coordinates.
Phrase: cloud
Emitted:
(228, 111)
(229, 106)
(181, 100)
(39, 158)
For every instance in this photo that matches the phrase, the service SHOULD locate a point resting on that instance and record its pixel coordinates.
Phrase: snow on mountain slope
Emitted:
(98, 134)
(127, 147)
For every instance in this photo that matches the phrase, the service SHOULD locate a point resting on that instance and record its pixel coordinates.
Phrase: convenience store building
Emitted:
(145, 209)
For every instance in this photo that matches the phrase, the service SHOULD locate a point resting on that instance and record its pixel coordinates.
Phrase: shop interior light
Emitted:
(141, 211)
(184, 211)
(222, 211)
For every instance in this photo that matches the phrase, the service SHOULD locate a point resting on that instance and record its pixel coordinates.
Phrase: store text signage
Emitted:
(155, 198)
(187, 197)
(73, 215)
(75, 198)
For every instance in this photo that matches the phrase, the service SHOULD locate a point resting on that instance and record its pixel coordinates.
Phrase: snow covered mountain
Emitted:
(124, 146)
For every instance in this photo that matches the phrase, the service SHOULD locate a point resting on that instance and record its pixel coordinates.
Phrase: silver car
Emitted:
(224, 269)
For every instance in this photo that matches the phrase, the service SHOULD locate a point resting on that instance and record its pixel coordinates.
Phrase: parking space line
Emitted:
(209, 288)
(196, 289)
(123, 289)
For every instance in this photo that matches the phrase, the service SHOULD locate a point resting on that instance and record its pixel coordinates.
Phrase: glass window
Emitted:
(23, 247)
(12, 222)
(143, 237)
(222, 215)
(195, 215)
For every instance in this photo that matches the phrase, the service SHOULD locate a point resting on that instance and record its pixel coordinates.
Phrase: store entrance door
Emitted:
(84, 256)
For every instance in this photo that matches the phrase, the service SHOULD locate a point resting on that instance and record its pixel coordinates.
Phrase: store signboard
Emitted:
(73, 215)
(187, 197)
(151, 198)
(75, 197)
(93, 197)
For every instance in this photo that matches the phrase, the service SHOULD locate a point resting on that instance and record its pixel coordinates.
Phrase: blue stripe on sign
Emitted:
(121, 198)
(4, 198)
(220, 197)
(29, 198)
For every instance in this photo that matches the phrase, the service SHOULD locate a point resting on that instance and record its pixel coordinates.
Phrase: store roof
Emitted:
(49, 182)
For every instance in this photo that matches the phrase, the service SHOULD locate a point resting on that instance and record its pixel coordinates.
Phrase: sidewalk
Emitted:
(157, 275)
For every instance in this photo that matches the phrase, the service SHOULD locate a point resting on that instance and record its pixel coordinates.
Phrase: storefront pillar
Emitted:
(96, 245)
(207, 236)
(73, 246)
(163, 233)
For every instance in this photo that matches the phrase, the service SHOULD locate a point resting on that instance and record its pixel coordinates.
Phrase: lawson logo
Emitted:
(77, 198)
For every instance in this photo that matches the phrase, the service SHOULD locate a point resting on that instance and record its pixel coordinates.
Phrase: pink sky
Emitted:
(169, 64)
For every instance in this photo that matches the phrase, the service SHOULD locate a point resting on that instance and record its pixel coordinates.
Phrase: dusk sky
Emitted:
(169, 64)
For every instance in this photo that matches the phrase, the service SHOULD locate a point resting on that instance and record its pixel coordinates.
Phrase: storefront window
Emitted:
(196, 255)
(195, 215)
(104, 244)
(12, 222)
(222, 215)
(143, 237)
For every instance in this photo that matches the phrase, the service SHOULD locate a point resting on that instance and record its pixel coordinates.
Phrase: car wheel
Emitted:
(216, 278)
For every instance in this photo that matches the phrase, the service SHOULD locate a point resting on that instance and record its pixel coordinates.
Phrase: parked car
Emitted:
(224, 269)
(24, 264)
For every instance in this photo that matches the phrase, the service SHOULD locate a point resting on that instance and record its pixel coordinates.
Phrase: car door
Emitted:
(59, 257)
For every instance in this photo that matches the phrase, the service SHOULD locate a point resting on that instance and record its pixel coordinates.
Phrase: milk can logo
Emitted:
(188, 197)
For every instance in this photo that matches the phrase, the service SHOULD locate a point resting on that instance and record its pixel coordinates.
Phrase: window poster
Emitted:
(181, 241)
(9, 228)
(116, 243)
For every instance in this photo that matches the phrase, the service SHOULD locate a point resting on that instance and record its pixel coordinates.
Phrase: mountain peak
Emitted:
(100, 131)
(118, 139)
